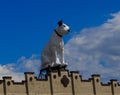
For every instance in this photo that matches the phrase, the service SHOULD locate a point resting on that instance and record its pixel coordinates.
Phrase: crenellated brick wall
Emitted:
(59, 83)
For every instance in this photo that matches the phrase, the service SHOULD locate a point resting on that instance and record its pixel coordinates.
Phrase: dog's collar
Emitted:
(58, 34)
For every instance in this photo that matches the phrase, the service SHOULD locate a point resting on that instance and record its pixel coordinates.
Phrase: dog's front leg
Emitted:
(55, 57)
(62, 57)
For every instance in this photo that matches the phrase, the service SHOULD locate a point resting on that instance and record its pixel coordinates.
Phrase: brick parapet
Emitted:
(58, 83)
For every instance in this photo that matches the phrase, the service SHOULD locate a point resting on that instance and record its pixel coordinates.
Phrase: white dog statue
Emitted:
(53, 54)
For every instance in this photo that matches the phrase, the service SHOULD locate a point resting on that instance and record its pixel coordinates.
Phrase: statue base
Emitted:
(50, 69)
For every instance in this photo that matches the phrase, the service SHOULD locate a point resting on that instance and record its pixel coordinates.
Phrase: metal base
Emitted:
(50, 69)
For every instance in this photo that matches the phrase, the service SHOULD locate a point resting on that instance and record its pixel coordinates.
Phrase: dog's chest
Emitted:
(60, 43)
(57, 41)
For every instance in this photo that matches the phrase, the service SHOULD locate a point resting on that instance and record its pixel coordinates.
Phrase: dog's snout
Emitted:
(68, 30)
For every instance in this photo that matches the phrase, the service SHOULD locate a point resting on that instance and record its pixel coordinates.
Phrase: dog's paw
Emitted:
(64, 64)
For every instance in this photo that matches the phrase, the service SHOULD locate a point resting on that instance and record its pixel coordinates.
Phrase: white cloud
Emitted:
(8, 70)
(31, 64)
(96, 50)
(23, 64)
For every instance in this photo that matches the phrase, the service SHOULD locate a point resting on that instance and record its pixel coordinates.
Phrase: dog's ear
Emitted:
(60, 23)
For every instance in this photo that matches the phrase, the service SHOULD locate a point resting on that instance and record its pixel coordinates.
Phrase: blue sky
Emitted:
(26, 25)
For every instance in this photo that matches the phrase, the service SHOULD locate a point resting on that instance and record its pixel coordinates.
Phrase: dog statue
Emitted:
(53, 54)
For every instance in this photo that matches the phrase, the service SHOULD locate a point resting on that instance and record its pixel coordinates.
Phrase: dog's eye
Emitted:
(63, 25)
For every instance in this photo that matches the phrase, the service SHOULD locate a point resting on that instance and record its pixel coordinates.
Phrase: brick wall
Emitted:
(58, 83)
